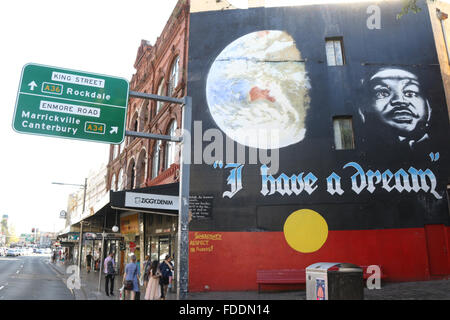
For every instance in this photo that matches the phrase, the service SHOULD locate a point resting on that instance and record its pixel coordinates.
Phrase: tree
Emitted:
(409, 6)
(4, 228)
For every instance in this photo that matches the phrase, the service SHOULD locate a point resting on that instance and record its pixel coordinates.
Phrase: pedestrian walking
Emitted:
(131, 279)
(153, 289)
(109, 270)
(165, 268)
(88, 262)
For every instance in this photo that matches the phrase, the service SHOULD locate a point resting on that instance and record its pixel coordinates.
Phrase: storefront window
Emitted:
(164, 247)
(159, 247)
(152, 250)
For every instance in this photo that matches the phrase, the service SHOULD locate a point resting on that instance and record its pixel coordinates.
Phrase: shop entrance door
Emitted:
(159, 247)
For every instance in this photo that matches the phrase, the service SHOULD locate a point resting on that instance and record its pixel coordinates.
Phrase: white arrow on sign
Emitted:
(32, 85)
(114, 130)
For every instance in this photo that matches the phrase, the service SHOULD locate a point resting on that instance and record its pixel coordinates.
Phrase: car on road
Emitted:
(12, 252)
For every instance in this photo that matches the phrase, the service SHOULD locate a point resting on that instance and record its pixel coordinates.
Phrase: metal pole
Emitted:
(143, 95)
(84, 195)
(80, 245)
(183, 216)
(102, 252)
(81, 225)
(152, 136)
(101, 263)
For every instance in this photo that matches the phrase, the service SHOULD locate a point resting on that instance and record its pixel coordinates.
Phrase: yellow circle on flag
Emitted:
(305, 231)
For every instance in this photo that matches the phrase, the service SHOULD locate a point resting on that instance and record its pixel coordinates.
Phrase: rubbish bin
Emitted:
(334, 281)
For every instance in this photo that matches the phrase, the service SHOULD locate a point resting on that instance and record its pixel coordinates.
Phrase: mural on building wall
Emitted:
(259, 82)
(272, 74)
(396, 103)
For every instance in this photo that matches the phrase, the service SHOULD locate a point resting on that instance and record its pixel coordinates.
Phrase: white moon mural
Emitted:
(258, 90)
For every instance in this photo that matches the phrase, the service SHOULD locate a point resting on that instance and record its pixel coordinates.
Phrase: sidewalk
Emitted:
(422, 290)
(90, 284)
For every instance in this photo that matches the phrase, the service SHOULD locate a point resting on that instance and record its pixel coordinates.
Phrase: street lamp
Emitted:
(81, 222)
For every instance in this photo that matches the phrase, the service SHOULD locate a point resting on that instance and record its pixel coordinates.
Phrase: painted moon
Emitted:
(258, 90)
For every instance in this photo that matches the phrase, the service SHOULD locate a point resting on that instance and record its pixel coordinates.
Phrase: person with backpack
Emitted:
(165, 268)
(110, 272)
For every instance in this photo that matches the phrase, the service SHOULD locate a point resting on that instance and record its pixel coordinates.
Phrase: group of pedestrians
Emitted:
(64, 256)
(157, 278)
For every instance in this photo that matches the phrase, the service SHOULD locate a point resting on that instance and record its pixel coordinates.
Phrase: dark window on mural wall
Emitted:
(343, 133)
(334, 48)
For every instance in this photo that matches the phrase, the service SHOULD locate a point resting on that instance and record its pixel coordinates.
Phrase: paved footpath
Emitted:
(421, 290)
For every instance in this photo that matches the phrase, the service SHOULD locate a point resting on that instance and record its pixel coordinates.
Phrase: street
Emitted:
(31, 278)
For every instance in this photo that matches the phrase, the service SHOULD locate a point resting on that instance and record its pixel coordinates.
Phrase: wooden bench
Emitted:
(283, 276)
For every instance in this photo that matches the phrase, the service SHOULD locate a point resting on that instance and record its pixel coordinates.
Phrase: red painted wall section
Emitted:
(437, 245)
(448, 245)
(227, 261)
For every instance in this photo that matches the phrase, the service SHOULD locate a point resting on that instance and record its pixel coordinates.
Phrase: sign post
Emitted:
(71, 104)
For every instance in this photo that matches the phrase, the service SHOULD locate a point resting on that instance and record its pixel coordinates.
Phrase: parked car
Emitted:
(12, 252)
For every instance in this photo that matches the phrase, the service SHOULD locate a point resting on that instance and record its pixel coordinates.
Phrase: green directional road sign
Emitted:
(71, 104)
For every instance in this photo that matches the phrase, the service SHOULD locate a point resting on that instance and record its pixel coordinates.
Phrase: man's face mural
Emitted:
(396, 99)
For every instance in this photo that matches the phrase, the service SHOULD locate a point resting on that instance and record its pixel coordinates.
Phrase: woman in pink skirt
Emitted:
(153, 291)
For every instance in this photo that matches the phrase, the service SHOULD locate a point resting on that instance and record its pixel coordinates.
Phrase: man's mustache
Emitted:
(403, 109)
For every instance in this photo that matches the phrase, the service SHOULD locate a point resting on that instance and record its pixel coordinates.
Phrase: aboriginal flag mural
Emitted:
(316, 138)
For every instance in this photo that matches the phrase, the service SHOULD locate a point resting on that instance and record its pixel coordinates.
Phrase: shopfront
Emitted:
(148, 222)
(129, 228)
(160, 236)
(93, 242)
(68, 247)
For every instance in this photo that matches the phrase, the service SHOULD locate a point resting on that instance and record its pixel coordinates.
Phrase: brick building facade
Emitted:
(160, 69)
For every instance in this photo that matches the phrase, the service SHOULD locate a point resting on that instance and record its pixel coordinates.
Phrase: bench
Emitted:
(283, 276)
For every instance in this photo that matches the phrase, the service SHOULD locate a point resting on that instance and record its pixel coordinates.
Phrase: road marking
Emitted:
(2, 287)
(17, 271)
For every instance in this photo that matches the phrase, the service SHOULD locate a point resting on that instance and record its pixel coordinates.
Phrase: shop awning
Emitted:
(162, 199)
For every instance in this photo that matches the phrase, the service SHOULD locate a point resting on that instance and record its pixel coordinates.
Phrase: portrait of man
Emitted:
(396, 107)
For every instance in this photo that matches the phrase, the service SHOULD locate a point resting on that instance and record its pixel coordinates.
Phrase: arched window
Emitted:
(155, 159)
(134, 125)
(120, 180)
(113, 183)
(141, 168)
(131, 175)
(174, 76)
(144, 116)
(170, 146)
(159, 104)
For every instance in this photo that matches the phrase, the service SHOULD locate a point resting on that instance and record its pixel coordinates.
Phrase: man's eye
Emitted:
(382, 94)
(410, 94)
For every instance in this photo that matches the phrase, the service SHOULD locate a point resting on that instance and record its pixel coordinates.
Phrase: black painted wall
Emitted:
(335, 91)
